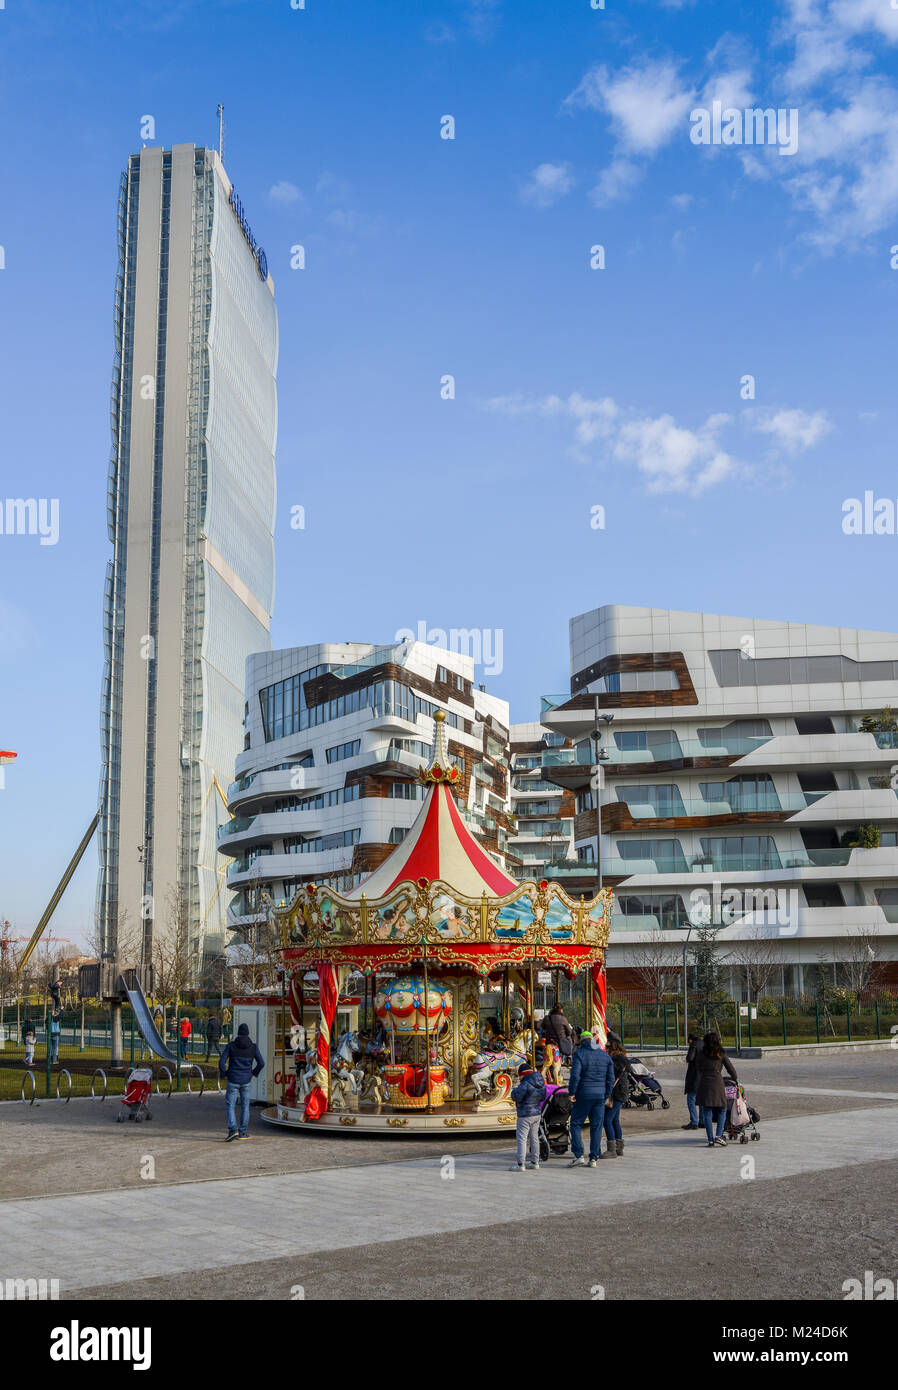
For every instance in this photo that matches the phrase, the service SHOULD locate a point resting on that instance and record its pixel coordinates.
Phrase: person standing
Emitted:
(693, 1044)
(239, 1063)
(710, 1060)
(620, 1094)
(590, 1086)
(559, 1031)
(29, 1037)
(213, 1036)
(186, 1031)
(528, 1097)
(54, 1037)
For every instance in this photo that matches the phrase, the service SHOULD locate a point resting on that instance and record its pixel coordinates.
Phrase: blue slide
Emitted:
(145, 1023)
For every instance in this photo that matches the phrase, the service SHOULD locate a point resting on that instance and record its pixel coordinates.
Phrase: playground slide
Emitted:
(138, 1002)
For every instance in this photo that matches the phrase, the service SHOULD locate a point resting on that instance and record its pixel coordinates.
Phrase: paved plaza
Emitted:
(291, 1213)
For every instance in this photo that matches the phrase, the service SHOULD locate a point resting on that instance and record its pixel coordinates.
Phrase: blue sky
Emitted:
(575, 388)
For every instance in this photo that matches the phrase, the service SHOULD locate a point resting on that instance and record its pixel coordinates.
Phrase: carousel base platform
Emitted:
(454, 1118)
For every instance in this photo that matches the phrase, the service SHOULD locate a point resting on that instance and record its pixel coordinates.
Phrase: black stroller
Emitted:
(555, 1123)
(645, 1089)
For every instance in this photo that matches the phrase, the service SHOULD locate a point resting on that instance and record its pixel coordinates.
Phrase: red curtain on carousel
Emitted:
(328, 993)
(598, 1000)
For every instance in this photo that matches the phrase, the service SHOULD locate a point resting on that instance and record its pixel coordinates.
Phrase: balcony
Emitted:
(279, 782)
(243, 831)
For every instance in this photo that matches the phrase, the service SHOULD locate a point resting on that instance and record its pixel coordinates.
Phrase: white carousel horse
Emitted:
(490, 1072)
(305, 1080)
(374, 1088)
(347, 1047)
(344, 1088)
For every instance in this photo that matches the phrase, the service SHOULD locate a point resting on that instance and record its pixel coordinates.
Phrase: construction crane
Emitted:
(61, 886)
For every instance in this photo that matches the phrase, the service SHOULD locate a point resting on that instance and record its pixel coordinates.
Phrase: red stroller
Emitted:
(137, 1093)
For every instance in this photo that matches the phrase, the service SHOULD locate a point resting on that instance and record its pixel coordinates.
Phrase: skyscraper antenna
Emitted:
(221, 132)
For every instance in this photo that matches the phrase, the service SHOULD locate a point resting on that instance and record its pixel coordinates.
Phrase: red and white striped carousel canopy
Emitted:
(439, 846)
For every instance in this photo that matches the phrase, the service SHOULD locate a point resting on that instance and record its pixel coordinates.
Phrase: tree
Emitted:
(171, 959)
(883, 721)
(655, 964)
(706, 963)
(759, 959)
(859, 960)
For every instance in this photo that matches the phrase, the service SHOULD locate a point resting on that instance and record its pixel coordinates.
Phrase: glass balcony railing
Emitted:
(236, 825)
(613, 866)
(734, 805)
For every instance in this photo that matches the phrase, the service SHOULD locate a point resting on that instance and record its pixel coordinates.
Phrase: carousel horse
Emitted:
(551, 1067)
(373, 1087)
(344, 1088)
(348, 1047)
(306, 1080)
(489, 1073)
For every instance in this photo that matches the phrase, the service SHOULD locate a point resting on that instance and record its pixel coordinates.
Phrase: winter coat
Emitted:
(529, 1093)
(559, 1031)
(186, 1029)
(709, 1079)
(241, 1059)
(620, 1090)
(689, 1083)
(592, 1073)
(213, 1029)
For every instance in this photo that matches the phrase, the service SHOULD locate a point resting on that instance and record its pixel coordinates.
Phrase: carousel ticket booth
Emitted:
(433, 926)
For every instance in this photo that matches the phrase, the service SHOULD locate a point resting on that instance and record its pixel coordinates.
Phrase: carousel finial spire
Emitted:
(440, 769)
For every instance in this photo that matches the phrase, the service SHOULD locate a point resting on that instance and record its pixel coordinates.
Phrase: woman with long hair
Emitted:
(620, 1094)
(709, 1093)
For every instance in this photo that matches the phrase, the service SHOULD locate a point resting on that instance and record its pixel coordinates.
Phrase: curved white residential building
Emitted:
(737, 774)
(327, 783)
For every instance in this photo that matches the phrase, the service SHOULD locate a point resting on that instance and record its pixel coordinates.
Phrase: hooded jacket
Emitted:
(592, 1072)
(529, 1093)
(241, 1059)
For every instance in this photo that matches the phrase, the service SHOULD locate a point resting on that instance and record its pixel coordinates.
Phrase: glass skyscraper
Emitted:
(191, 502)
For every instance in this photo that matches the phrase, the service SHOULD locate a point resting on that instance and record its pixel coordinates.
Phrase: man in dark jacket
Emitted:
(559, 1031)
(590, 1086)
(239, 1063)
(689, 1084)
(528, 1097)
(213, 1036)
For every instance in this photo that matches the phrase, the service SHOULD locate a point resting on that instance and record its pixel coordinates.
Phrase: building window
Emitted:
(406, 791)
(296, 844)
(664, 800)
(742, 852)
(667, 855)
(731, 668)
(661, 742)
(397, 835)
(343, 750)
(747, 793)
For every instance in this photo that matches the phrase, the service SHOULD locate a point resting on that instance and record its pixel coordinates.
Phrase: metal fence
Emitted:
(79, 1050)
(768, 1024)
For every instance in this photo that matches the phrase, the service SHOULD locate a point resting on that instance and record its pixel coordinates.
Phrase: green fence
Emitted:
(768, 1024)
(81, 1049)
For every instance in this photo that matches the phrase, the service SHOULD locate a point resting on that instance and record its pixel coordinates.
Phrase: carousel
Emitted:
(436, 938)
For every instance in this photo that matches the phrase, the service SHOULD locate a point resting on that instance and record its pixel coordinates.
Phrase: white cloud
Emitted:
(682, 201)
(285, 194)
(667, 456)
(647, 104)
(615, 182)
(547, 184)
(792, 430)
(671, 458)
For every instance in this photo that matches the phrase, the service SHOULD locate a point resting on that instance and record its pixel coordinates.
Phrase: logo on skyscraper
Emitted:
(259, 254)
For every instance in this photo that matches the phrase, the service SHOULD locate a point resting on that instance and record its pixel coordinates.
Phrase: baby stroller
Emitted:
(137, 1093)
(742, 1118)
(554, 1122)
(645, 1090)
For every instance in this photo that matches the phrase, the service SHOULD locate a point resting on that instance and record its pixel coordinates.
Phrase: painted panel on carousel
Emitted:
(449, 918)
(400, 1005)
(393, 922)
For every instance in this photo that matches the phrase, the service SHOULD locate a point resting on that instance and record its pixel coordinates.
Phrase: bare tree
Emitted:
(759, 959)
(171, 960)
(859, 960)
(655, 964)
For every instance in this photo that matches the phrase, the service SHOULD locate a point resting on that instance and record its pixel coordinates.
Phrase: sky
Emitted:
(598, 284)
